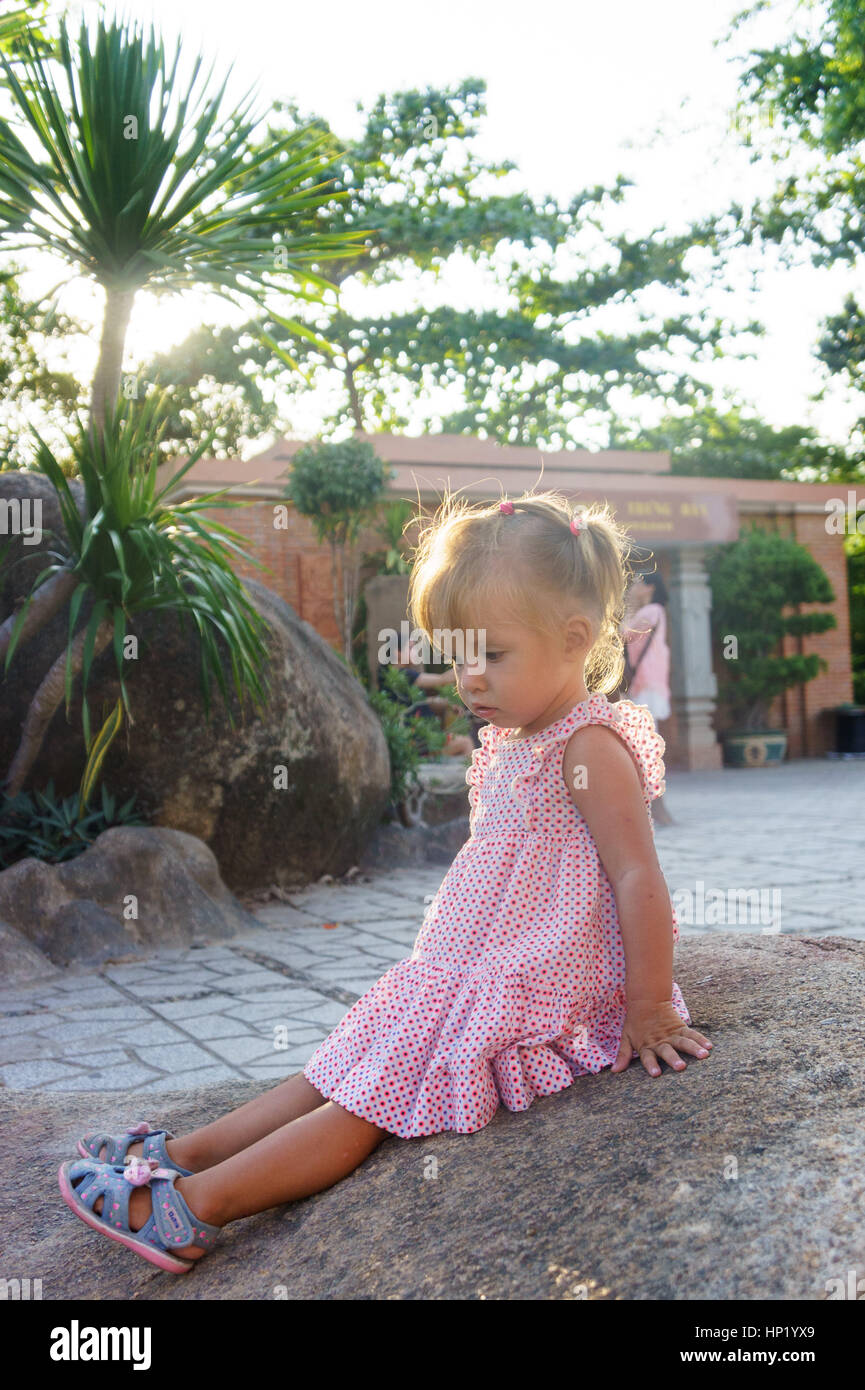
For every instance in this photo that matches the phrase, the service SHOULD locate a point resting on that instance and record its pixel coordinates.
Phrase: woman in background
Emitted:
(647, 656)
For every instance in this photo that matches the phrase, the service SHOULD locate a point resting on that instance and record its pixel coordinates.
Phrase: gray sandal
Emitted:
(169, 1225)
(117, 1145)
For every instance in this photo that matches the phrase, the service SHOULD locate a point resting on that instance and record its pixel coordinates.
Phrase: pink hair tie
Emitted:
(578, 524)
(506, 507)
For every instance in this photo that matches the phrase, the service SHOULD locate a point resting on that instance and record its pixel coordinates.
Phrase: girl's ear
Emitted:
(579, 636)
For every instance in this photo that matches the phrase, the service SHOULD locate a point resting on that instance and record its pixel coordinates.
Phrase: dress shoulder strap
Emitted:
(635, 726)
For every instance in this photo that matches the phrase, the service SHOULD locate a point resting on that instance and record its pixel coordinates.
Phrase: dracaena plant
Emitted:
(139, 178)
(131, 549)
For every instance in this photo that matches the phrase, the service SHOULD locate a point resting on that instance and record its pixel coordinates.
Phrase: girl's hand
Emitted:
(654, 1029)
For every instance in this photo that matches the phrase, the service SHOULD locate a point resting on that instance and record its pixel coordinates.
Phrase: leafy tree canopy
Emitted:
(524, 369)
(734, 443)
(811, 89)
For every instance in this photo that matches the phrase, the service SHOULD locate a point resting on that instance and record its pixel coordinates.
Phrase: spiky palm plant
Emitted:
(15, 19)
(130, 184)
(138, 179)
(133, 551)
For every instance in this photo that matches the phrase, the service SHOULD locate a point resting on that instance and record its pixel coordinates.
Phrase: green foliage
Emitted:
(21, 22)
(709, 443)
(40, 825)
(855, 547)
(212, 382)
(812, 85)
(135, 551)
(393, 519)
(97, 752)
(336, 486)
(525, 373)
(754, 580)
(410, 739)
(31, 391)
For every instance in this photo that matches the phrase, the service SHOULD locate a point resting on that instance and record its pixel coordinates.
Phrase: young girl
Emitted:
(547, 952)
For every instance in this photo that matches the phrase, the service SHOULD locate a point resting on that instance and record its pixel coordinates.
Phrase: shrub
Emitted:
(753, 580)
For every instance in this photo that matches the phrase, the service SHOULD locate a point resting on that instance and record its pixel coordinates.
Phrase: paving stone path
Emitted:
(760, 851)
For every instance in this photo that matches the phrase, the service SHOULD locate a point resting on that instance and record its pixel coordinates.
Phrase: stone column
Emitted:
(693, 682)
(386, 608)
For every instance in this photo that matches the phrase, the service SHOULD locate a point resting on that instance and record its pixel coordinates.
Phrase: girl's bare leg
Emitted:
(239, 1128)
(304, 1156)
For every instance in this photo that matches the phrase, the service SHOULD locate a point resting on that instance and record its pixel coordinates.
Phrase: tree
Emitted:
(523, 370)
(809, 88)
(711, 443)
(213, 384)
(337, 486)
(855, 547)
(142, 184)
(133, 191)
(30, 390)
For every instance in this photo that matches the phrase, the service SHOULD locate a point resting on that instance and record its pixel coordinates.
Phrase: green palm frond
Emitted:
(97, 751)
(128, 182)
(15, 23)
(134, 551)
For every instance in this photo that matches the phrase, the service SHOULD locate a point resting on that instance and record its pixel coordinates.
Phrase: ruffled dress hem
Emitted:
(446, 1051)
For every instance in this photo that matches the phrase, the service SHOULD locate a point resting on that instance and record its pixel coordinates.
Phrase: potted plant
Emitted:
(759, 584)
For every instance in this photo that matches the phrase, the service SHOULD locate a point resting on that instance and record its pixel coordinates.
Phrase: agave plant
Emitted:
(143, 182)
(133, 551)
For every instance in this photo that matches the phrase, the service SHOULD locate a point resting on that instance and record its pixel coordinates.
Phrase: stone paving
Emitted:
(757, 850)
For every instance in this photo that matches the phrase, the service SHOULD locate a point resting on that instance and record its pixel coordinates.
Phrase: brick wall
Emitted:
(300, 572)
(299, 569)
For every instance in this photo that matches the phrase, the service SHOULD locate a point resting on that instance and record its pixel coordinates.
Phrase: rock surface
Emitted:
(396, 846)
(742, 1177)
(219, 783)
(20, 961)
(75, 911)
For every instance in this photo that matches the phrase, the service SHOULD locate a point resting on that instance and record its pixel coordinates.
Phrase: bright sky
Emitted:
(577, 92)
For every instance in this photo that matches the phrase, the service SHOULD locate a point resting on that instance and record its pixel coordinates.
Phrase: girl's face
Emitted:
(525, 679)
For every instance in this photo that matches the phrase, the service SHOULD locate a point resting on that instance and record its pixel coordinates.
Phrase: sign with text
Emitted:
(679, 518)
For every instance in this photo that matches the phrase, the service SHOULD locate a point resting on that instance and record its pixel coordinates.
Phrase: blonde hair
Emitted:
(528, 566)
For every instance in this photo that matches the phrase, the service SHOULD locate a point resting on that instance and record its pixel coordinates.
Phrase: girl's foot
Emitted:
(154, 1143)
(171, 1147)
(140, 1207)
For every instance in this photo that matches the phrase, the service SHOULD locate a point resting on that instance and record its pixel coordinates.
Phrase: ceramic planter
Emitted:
(763, 748)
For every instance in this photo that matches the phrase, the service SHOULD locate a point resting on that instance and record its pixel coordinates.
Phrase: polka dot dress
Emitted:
(515, 983)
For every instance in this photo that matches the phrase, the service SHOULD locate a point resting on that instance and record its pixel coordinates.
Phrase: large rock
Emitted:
(396, 846)
(742, 1177)
(21, 962)
(219, 783)
(134, 889)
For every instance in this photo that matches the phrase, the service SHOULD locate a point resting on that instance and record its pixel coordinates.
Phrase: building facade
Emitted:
(676, 519)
